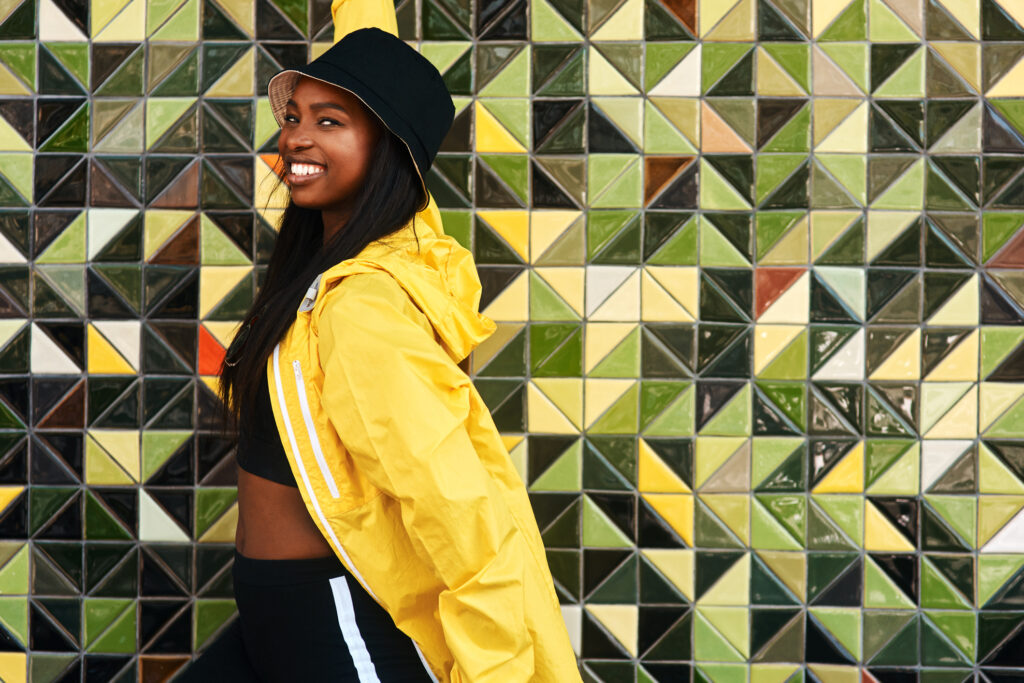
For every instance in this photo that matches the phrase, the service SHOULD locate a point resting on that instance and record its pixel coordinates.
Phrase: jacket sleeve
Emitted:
(350, 15)
(399, 404)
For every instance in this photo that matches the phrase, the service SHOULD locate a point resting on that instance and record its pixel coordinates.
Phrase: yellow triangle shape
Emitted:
(122, 445)
(993, 514)
(677, 510)
(847, 476)
(622, 621)
(491, 136)
(964, 57)
(546, 227)
(789, 567)
(994, 476)
(513, 304)
(996, 399)
(104, 359)
(904, 363)
(101, 469)
(128, 26)
(677, 565)
(732, 588)
(711, 13)
(880, 535)
(831, 112)
(960, 421)
(961, 309)
(733, 623)
(627, 23)
(601, 395)
(8, 494)
(961, 365)
(223, 530)
(734, 510)
(657, 305)
(555, 404)
(712, 452)
(568, 283)
(11, 84)
(10, 141)
(215, 282)
(103, 13)
(682, 283)
(605, 79)
(1010, 85)
(513, 226)
(654, 476)
(600, 339)
(237, 81)
(850, 136)
(770, 341)
(737, 26)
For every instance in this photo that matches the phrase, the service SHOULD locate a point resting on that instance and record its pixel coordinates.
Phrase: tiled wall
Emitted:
(757, 273)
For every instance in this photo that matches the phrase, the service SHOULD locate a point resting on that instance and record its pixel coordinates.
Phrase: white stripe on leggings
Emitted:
(350, 631)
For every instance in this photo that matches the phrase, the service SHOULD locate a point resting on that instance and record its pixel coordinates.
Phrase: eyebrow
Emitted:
(320, 105)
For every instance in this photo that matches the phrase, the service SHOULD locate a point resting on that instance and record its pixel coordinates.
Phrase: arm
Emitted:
(400, 404)
(350, 15)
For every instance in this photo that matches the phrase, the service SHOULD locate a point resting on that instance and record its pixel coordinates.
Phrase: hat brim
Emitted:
(282, 85)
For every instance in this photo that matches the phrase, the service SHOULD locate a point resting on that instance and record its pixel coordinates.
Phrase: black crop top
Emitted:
(260, 452)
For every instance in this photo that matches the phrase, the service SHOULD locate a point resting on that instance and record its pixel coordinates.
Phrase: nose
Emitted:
(295, 138)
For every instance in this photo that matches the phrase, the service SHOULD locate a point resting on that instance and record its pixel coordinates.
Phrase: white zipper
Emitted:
(314, 441)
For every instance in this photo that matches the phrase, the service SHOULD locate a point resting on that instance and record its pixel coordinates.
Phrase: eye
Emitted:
(291, 118)
(325, 121)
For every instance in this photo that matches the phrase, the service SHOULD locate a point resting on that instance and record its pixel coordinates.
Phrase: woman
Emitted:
(383, 532)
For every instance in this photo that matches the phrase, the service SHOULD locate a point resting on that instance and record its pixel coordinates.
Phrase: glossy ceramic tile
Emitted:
(756, 270)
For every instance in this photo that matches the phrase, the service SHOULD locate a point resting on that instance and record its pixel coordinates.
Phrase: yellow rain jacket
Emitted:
(398, 460)
(402, 468)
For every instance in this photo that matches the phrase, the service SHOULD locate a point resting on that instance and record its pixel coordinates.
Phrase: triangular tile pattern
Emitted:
(756, 272)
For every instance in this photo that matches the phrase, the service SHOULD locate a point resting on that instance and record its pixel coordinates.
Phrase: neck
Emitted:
(334, 222)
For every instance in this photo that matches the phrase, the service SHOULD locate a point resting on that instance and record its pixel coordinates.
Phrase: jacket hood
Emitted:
(438, 273)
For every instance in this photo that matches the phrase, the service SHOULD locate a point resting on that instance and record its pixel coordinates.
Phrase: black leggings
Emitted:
(306, 620)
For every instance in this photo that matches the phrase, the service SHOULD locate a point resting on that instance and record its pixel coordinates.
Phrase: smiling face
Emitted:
(327, 140)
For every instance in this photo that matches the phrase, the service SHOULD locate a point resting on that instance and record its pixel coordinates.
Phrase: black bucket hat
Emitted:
(392, 79)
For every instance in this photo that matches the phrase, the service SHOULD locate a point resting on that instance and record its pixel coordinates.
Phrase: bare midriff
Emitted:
(273, 523)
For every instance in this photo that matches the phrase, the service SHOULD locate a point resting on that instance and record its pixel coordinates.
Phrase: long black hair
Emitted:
(388, 199)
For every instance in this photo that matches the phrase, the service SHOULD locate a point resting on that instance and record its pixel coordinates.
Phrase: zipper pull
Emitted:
(310, 298)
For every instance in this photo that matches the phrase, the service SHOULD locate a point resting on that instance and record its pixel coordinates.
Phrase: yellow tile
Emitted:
(711, 12)
(215, 282)
(568, 282)
(880, 535)
(13, 667)
(8, 494)
(770, 340)
(681, 282)
(605, 79)
(128, 26)
(732, 588)
(513, 226)
(546, 227)
(103, 358)
(961, 365)
(737, 26)
(904, 363)
(554, 405)
(847, 476)
(623, 304)
(237, 81)
(677, 565)
(627, 23)
(677, 510)
(122, 445)
(600, 339)
(621, 621)
(961, 309)
(793, 307)
(601, 394)
(964, 57)
(849, 136)
(731, 622)
(824, 12)
(103, 11)
(513, 304)
(654, 476)
(491, 136)
(1010, 85)
(960, 421)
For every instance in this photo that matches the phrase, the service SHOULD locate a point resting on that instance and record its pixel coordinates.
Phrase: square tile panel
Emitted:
(757, 268)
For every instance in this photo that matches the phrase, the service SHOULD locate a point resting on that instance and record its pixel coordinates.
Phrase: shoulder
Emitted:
(371, 301)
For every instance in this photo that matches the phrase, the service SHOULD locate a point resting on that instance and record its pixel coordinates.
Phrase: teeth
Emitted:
(306, 169)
